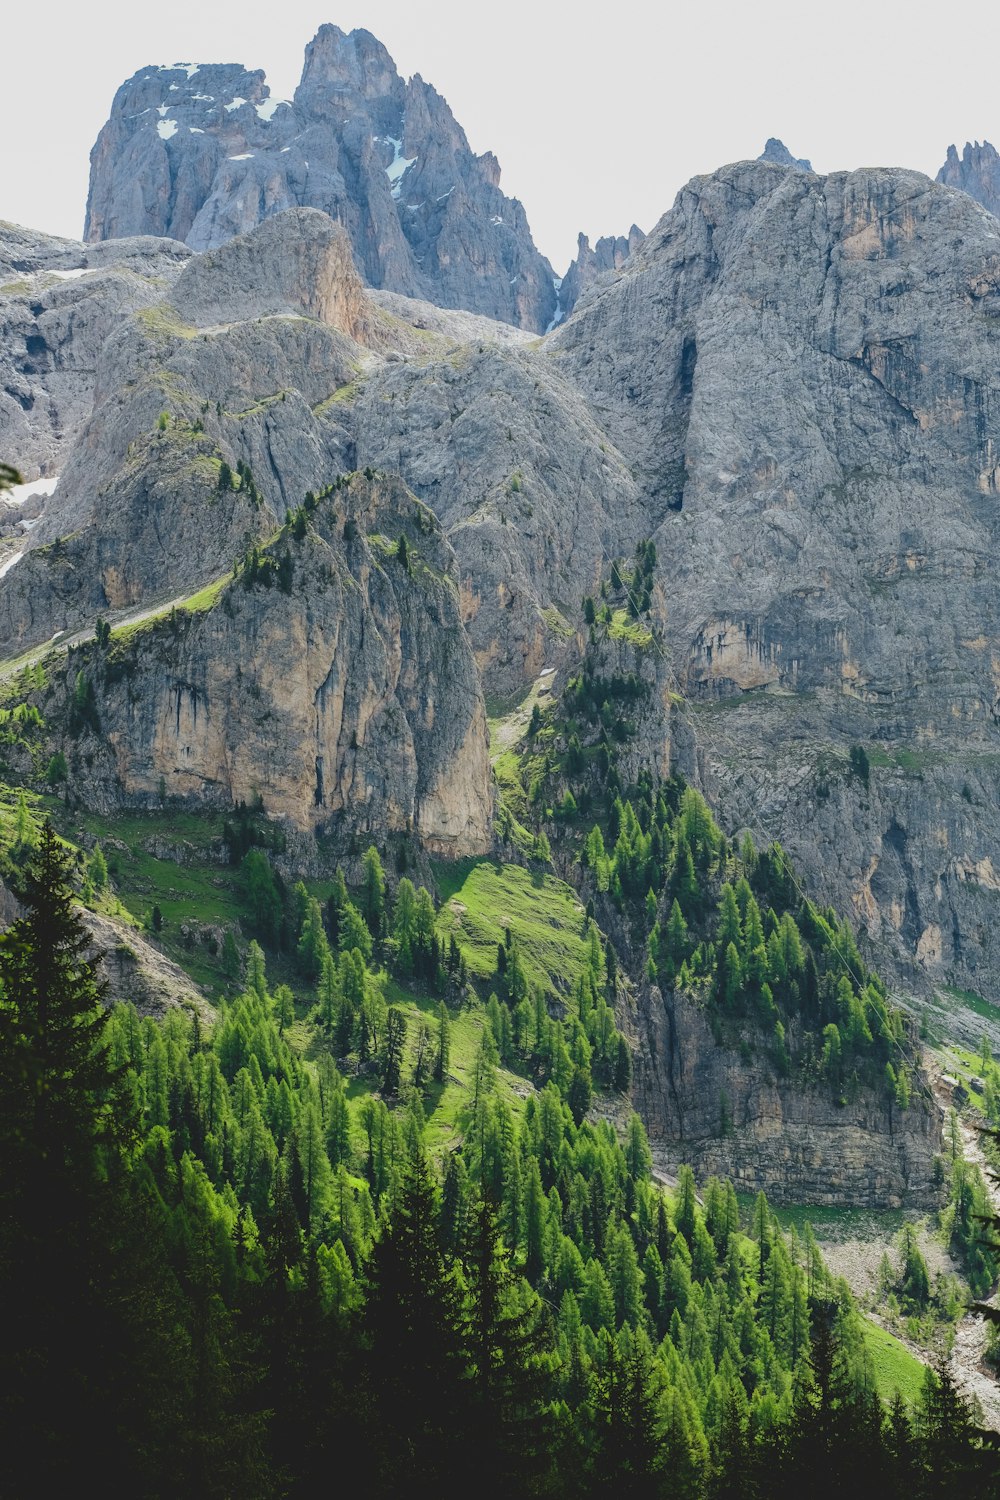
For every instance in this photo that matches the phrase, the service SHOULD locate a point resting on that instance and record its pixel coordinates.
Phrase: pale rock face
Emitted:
(317, 697)
(205, 155)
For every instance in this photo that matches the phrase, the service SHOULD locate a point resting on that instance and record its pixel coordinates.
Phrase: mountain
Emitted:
(976, 172)
(203, 153)
(802, 374)
(778, 154)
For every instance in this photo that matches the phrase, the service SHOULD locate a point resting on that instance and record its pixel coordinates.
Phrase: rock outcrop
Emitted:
(609, 254)
(976, 172)
(202, 154)
(332, 679)
(703, 1105)
(803, 374)
(778, 154)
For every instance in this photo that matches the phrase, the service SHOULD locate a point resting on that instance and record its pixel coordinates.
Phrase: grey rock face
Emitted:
(976, 172)
(59, 302)
(803, 372)
(534, 496)
(355, 706)
(704, 1106)
(609, 254)
(203, 154)
(779, 155)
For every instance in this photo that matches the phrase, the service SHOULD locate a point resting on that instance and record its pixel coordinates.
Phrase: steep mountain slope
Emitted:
(803, 372)
(204, 153)
(59, 302)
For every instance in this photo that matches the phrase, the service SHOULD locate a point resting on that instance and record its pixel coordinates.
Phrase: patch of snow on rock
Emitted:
(18, 493)
(398, 166)
(236, 103)
(166, 128)
(6, 566)
(243, 156)
(267, 109)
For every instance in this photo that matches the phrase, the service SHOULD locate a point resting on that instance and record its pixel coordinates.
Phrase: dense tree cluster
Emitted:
(229, 1271)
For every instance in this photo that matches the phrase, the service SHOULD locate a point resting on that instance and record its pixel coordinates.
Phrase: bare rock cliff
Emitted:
(332, 679)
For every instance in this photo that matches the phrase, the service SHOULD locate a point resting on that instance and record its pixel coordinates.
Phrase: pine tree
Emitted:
(417, 1363)
(507, 1343)
(66, 1118)
(373, 894)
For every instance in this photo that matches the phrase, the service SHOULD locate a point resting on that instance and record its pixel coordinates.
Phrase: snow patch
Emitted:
(210, 97)
(557, 316)
(284, 149)
(398, 166)
(6, 566)
(173, 88)
(70, 275)
(236, 103)
(166, 128)
(196, 130)
(18, 493)
(447, 194)
(497, 219)
(267, 109)
(161, 109)
(189, 68)
(243, 156)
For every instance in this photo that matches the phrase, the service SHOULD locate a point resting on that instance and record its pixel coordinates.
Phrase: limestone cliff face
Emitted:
(803, 372)
(341, 689)
(534, 495)
(204, 153)
(704, 1105)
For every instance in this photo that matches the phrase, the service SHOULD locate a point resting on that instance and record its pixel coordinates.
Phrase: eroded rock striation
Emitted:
(203, 153)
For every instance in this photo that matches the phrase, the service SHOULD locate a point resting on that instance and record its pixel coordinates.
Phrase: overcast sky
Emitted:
(597, 114)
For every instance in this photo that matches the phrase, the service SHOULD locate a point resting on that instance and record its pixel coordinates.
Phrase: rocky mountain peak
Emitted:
(976, 172)
(354, 61)
(204, 153)
(779, 155)
(609, 254)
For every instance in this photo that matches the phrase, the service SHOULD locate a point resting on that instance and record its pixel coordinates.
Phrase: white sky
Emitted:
(597, 113)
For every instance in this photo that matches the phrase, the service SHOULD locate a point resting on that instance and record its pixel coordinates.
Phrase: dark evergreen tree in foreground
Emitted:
(416, 1361)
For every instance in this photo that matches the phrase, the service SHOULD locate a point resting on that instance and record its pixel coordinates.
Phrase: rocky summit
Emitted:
(203, 153)
(976, 172)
